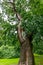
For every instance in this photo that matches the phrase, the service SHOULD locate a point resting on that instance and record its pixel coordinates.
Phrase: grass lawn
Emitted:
(38, 61)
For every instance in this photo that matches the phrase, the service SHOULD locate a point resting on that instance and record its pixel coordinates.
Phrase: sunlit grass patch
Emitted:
(9, 61)
(38, 60)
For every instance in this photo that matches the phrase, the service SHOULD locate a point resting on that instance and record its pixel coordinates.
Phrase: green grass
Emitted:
(38, 61)
(9, 61)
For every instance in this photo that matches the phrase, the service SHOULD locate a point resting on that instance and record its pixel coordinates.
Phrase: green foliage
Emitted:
(8, 52)
(32, 21)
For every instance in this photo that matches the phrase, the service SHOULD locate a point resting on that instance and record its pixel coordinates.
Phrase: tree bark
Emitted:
(26, 56)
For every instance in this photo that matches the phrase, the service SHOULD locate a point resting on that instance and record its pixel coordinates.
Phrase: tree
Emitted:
(29, 19)
(26, 49)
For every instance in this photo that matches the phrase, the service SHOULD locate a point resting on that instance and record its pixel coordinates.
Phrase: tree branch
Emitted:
(14, 8)
(19, 30)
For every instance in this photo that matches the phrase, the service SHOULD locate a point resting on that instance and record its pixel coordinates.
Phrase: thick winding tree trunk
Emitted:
(26, 56)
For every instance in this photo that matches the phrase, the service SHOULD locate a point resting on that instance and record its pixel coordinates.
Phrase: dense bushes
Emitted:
(14, 51)
(8, 52)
